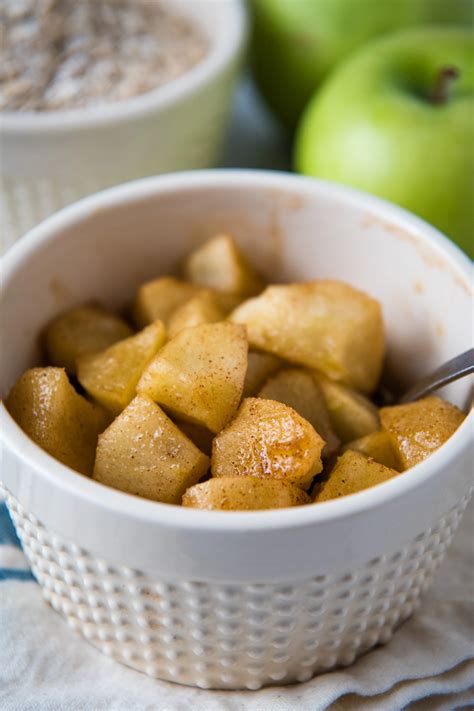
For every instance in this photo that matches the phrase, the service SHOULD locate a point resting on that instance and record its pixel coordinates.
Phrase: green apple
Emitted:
(396, 119)
(297, 42)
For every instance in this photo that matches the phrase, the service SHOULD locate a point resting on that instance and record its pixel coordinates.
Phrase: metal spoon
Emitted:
(454, 369)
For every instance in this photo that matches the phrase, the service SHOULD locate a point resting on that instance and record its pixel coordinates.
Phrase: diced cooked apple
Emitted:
(204, 307)
(219, 264)
(79, 331)
(244, 493)
(376, 445)
(419, 428)
(268, 439)
(48, 409)
(259, 368)
(298, 389)
(110, 377)
(352, 415)
(157, 299)
(353, 472)
(199, 375)
(144, 453)
(326, 325)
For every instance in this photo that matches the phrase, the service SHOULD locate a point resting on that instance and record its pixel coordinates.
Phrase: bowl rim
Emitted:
(224, 47)
(157, 513)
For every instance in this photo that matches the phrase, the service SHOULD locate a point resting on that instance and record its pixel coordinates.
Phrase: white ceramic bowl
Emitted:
(237, 599)
(49, 160)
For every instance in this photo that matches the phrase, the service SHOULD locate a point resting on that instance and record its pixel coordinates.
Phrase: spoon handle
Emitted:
(454, 369)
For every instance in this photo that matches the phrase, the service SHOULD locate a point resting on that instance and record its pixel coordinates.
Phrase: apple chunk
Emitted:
(298, 389)
(62, 422)
(204, 307)
(327, 325)
(419, 428)
(111, 376)
(268, 439)
(157, 299)
(353, 472)
(352, 415)
(144, 453)
(378, 446)
(219, 264)
(244, 493)
(79, 331)
(199, 374)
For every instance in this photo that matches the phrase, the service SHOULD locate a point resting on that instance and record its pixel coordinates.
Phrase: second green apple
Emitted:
(397, 120)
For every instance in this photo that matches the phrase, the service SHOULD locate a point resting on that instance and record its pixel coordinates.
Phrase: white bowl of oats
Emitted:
(100, 92)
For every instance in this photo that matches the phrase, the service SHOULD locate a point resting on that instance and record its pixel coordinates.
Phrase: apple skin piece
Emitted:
(199, 375)
(244, 493)
(80, 331)
(110, 377)
(296, 43)
(384, 123)
(268, 439)
(353, 472)
(63, 423)
(327, 325)
(298, 389)
(419, 428)
(145, 454)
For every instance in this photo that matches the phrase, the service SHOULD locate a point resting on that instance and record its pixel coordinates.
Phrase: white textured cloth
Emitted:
(427, 666)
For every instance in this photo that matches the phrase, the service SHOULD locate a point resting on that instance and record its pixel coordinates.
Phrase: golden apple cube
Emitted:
(419, 428)
(259, 368)
(298, 389)
(268, 440)
(79, 331)
(204, 307)
(199, 375)
(378, 446)
(63, 423)
(244, 493)
(145, 454)
(219, 264)
(110, 377)
(353, 472)
(352, 415)
(326, 325)
(157, 299)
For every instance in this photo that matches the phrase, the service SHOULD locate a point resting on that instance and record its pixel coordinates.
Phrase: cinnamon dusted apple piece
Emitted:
(144, 453)
(110, 377)
(80, 331)
(419, 428)
(63, 423)
(199, 375)
(244, 493)
(268, 439)
(326, 325)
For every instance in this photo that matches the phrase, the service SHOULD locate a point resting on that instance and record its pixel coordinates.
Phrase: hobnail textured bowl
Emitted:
(49, 160)
(237, 599)
(222, 636)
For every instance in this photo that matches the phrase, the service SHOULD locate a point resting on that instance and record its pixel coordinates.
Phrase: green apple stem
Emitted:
(444, 80)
